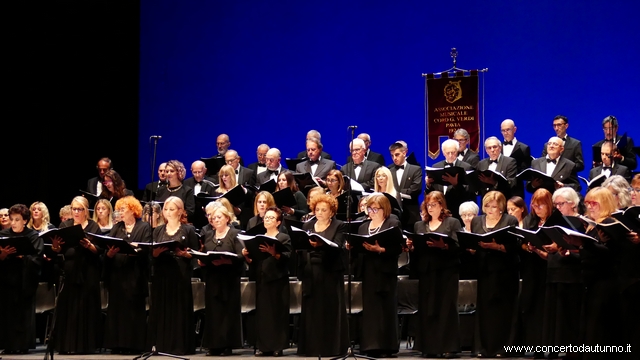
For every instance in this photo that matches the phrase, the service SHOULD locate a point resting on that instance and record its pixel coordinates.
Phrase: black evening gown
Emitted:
(601, 315)
(126, 277)
(379, 296)
(171, 326)
(184, 192)
(223, 319)
(531, 310)
(272, 299)
(18, 284)
(323, 322)
(78, 313)
(439, 325)
(497, 298)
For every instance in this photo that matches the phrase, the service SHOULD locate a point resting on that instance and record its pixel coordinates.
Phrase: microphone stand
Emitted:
(50, 337)
(350, 353)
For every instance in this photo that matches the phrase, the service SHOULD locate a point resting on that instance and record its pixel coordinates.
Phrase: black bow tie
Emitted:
(273, 172)
(236, 172)
(446, 164)
(357, 165)
(461, 153)
(510, 142)
(607, 168)
(493, 161)
(564, 139)
(198, 182)
(313, 162)
(262, 165)
(555, 161)
(400, 167)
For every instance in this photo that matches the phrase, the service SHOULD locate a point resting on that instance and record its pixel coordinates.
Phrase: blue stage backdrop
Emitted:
(268, 71)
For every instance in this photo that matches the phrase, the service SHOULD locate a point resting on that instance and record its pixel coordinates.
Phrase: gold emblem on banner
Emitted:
(453, 91)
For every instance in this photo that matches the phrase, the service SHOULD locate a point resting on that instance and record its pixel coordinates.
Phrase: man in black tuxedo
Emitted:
(517, 150)
(561, 169)
(260, 166)
(464, 153)
(572, 147)
(315, 164)
(94, 185)
(609, 166)
(199, 182)
(358, 168)
(624, 154)
(274, 168)
(222, 144)
(151, 190)
(368, 154)
(243, 175)
(314, 134)
(499, 163)
(407, 180)
(455, 194)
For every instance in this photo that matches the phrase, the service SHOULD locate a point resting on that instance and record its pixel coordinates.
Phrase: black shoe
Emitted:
(277, 353)
(257, 352)
(450, 355)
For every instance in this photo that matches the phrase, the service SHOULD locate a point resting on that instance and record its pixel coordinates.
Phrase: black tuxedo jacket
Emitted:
(371, 156)
(264, 176)
(629, 155)
(246, 175)
(572, 151)
(324, 166)
(454, 195)
(366, 178)
(205, 187)
(472, 158)
(508, 168)
(522, 154)
(324, 155)
(410, 184)
(254, 167)
(151, 190)
(615, 170)
(92, 185)
(564, 172)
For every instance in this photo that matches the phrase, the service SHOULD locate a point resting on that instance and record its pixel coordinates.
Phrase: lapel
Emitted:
(559, 165)
(405, 175)
(394, 177)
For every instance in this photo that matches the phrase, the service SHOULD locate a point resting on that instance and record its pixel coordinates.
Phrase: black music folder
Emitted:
(386, 238)
(305, 181)
(105, 242)
(420, 240)
(556, 233)
(532, 174)
(300, 239)
(629, 217)
(209, 256)
(172, 245)
(269, 186)
(70, 235)
(284, 197)
(252, 244)
(293, 162)
(214, 164)
(469, 240)
(256, 230)
(22, 244)
(595, 182)
(235, 196)
(474, 178)
(437, 173)
(537, 238)
(92, 198)
(570, 222)
(289, 223)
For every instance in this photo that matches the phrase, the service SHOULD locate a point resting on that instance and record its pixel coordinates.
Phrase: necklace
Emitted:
(174, 190)
(374, 230)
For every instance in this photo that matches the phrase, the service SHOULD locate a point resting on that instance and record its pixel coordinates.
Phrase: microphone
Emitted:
(352, 127)
(155, 137)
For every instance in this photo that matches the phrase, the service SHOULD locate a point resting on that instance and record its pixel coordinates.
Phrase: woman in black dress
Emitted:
(272, 289)
(175, 173)
(286, 180)
(222, 326)
(498, 279)
(171, 322)
(114, 187)
(438, 269)
(533, 272)
(379, 283)
(18, 284)
(126, 277)
(78, 321)
(323, 321)
(564, 288)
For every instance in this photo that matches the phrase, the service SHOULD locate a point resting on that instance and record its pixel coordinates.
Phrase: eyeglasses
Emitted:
(562, 203)
(430, 205)
(591, 203)
(555, 125)
(467, 215)
(269, 217)
(231, 160)
(636, 190)
(460, 140)
(77, 209)
(538, 206)
(354, 150)
(373, 210)
(331, 180)
(121, 210)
